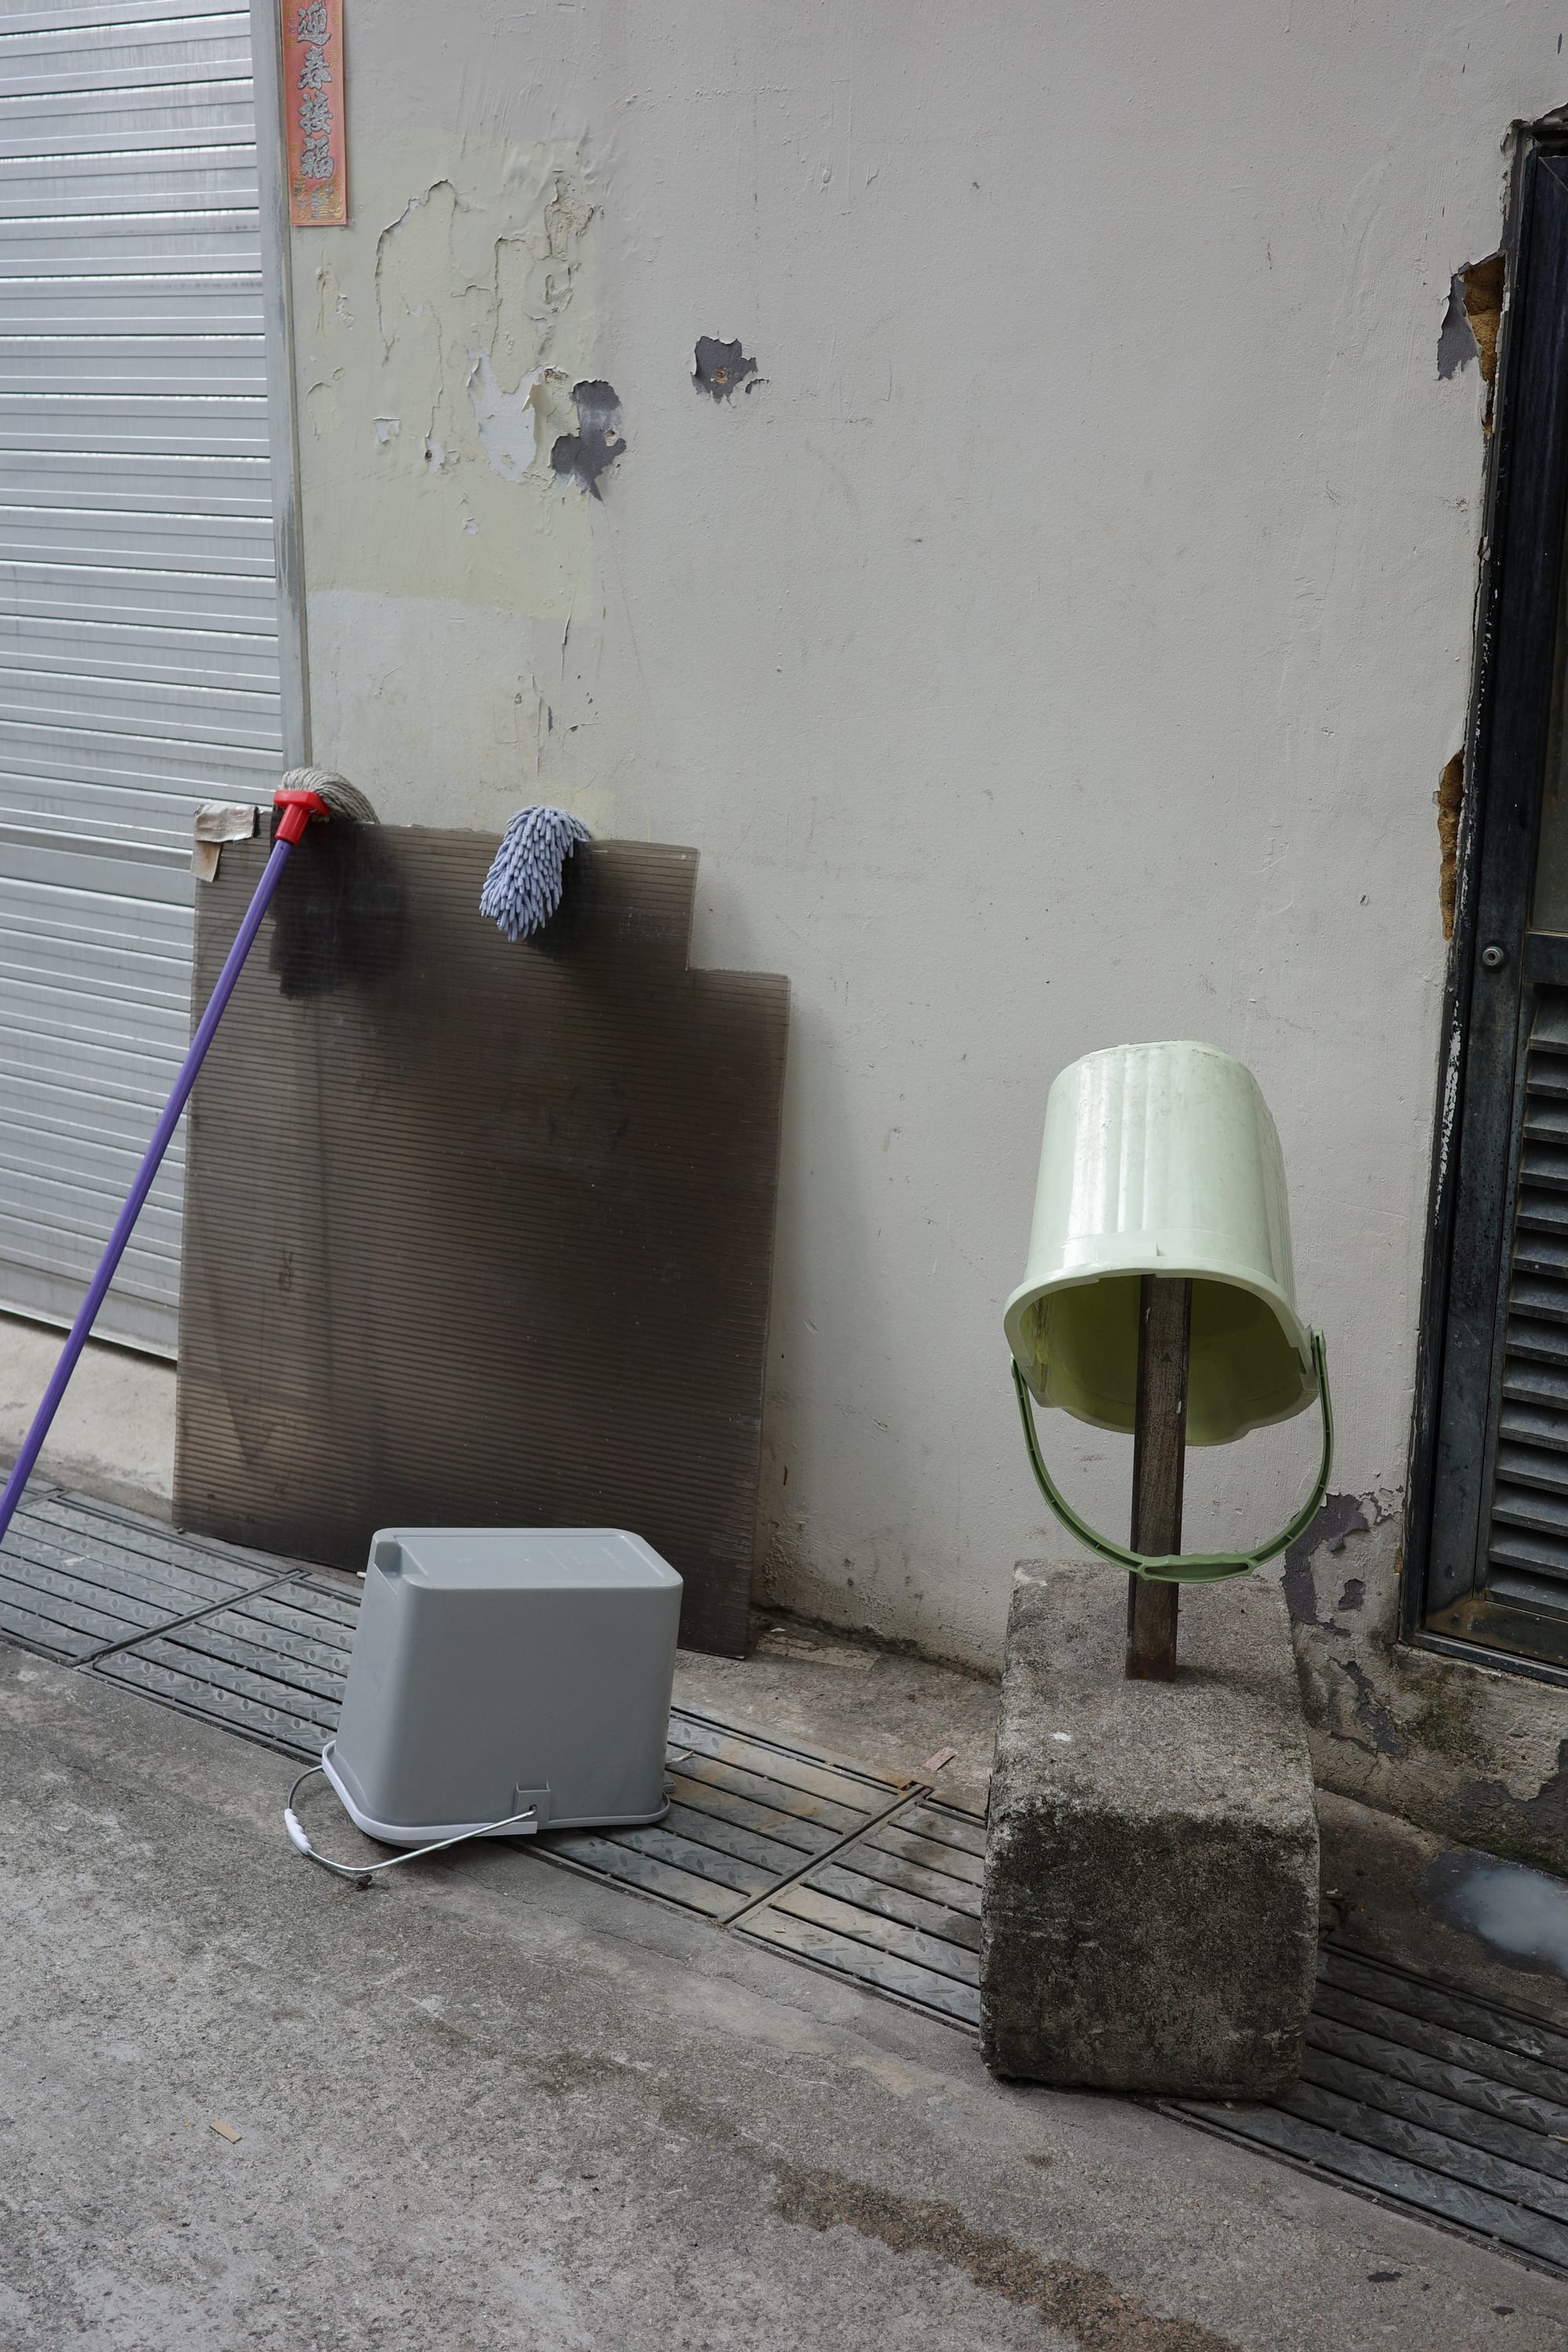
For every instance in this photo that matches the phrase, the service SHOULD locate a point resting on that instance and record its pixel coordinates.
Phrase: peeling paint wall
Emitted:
(1035, 665)
(1449, 797)
(438, 342)
(1472, 323)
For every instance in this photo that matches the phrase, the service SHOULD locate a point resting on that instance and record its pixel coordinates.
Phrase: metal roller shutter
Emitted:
(139, 660)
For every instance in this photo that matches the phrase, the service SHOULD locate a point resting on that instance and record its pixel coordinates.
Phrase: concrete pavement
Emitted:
(493, 2104)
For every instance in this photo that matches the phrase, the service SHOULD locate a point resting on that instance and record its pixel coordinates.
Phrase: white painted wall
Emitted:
(1061, 645)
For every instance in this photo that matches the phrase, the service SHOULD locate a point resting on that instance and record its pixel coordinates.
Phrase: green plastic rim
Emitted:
(1192, 1567)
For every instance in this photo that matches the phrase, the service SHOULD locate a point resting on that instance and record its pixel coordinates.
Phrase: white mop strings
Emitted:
(523, 888)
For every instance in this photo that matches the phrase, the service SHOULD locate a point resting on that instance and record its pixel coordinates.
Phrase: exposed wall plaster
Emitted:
(1473, 322)
(718, 368)
(1342, 1515)
(586, 455)
(505, 419)
(1450, 799)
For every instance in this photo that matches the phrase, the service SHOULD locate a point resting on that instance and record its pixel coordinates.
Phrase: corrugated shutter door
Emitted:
(139, 669)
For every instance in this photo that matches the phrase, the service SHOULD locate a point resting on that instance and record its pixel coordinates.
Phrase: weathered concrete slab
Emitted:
(1152, 1877)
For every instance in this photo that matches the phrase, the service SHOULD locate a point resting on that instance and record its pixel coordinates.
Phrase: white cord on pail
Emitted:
(362, 1873)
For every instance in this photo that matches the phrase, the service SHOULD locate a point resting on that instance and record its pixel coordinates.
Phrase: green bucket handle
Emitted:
(1194, 1567)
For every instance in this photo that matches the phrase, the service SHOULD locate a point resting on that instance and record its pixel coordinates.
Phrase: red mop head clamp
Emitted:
(298, 809)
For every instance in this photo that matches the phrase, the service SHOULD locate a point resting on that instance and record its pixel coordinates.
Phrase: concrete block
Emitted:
(1150, 1901)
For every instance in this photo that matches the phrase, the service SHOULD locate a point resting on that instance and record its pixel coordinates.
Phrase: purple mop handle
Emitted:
(87, 1314)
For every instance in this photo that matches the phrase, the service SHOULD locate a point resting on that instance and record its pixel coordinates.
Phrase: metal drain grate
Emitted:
(1446, 2104)
(1429, 2097)
(1449, 2106)
(745, 1814)
(855, 1873)
(79, 1577)
(897, 1908)
(270, 1665)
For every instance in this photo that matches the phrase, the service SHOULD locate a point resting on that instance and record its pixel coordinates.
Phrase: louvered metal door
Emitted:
(1527, 1532)
(1488, 1520)
(139, 663)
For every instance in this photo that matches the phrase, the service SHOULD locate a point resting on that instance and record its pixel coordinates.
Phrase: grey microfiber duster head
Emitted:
(337, 914)
(523, 888)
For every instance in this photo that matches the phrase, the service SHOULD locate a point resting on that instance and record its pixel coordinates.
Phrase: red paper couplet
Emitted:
(314, 114)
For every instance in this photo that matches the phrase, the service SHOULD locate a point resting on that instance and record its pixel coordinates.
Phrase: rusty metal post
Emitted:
(1159, 1457)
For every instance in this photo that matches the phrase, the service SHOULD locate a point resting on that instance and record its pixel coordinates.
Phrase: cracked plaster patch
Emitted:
(505, 419)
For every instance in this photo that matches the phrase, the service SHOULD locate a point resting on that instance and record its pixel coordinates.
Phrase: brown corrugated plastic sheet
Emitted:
(479, 1235)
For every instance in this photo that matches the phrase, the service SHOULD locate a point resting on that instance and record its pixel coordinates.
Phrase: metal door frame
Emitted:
(278, 313)
(1481, 1057)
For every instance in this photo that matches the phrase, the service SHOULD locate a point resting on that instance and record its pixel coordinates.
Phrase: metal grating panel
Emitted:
(1429, 2097)
(898, 1909)
(139, 672)
(745, 1814)
(77, 1578)
(1450, 2106)
(865, 1877)
(857, 1873)
(271, 1664)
